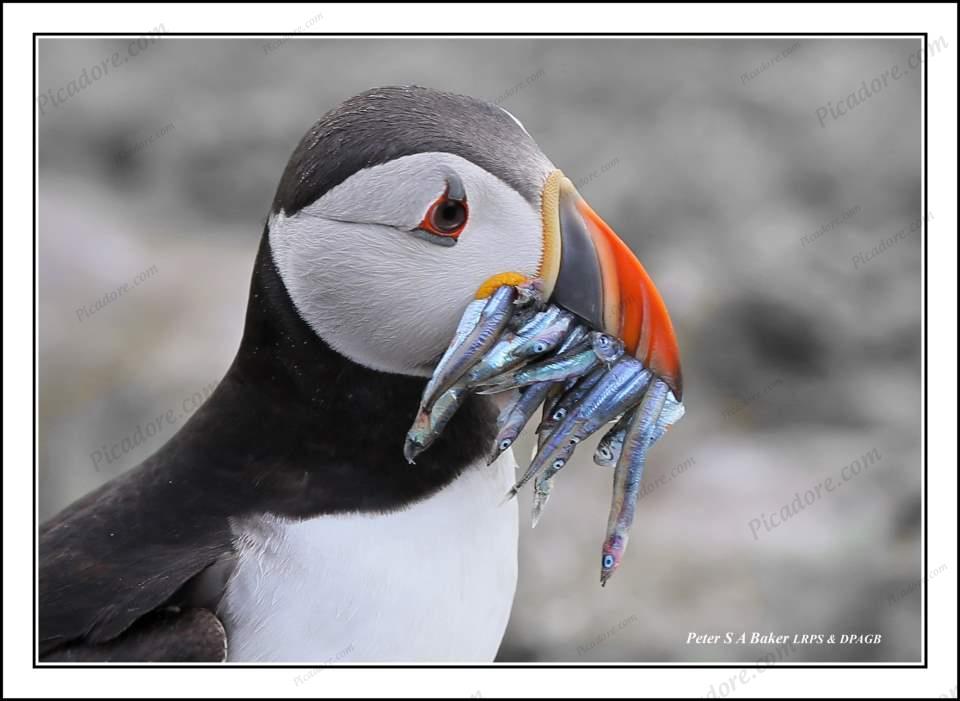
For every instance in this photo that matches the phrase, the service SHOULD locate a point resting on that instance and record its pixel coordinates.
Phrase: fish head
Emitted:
(607, 348)
(604, 455)
(545, 341)
(612, 554)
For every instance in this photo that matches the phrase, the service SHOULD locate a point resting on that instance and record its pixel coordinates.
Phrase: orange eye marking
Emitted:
(446, 217)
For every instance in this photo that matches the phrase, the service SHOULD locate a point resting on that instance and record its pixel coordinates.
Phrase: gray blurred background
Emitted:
(711, 157)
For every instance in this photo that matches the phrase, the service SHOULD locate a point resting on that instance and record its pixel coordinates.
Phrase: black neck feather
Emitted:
(297, 429)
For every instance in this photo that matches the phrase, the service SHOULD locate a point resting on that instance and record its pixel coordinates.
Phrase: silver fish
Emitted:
(493, 320)
(530, 293)
(626, 394)
(511, 350)
(507, 404)
(510, 425)
(546, 339)
(528, 304)
(608, 450)
(607, 348)
(616, 392)
(672, 412)
(550, 404)
(557, 389)
(541, 494)
(573, 363)
(467, 323)
(543, 393)
(575, 394)
(429, 424)
(627, 476)
(543, 484)
(576, 335)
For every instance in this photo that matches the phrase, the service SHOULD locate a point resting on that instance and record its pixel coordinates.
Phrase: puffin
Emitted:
(282, 522)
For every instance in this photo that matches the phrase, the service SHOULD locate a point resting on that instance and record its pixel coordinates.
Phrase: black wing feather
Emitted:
(119, 554)
(165, 635)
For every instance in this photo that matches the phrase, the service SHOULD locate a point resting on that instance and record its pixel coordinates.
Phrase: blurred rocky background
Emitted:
(783, 235)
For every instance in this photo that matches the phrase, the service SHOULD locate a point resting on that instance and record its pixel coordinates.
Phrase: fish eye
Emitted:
(607, 561)
(574, 440)
(604, 341)
(505, 443)
(539, 347)
(559, 414)
(558, 463)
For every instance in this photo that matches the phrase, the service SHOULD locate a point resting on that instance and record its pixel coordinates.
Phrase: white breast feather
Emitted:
(431, 583)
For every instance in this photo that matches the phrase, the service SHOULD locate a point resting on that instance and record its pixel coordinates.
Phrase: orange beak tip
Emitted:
(635, 310)
(591, 272)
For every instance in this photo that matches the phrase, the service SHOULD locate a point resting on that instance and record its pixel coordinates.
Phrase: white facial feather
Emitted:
(372, 289)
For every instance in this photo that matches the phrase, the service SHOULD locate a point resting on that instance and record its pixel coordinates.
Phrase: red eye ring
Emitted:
(446, 217)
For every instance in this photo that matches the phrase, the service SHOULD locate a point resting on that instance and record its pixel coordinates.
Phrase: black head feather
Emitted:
(383, 124)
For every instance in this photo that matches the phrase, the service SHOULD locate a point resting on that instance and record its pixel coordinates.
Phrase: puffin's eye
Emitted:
(446, 217)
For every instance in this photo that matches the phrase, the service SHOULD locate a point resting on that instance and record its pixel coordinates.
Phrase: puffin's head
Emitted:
(403, 204)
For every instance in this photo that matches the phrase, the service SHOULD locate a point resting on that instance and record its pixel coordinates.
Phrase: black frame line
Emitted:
(924, 664)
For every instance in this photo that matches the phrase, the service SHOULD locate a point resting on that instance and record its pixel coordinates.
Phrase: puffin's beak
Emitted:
(588, 270)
